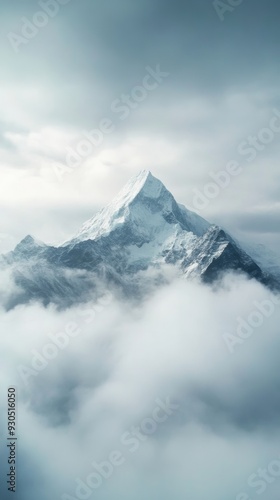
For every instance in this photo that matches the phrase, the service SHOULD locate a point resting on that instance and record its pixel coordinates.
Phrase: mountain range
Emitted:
(127, 247)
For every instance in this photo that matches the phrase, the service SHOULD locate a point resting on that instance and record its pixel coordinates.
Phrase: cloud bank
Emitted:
(147, 401)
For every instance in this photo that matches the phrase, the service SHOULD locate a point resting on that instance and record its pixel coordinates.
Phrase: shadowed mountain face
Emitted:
(125, 247)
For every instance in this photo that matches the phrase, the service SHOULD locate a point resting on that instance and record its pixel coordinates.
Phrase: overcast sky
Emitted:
(222, 87)
(208, 82)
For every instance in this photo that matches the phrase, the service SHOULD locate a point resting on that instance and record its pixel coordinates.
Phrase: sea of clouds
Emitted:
(173, 398)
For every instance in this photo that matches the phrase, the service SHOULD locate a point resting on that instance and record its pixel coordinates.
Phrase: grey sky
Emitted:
(222, 91)
(222, 87)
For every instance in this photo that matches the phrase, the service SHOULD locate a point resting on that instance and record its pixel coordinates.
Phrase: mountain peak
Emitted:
(141, 177)
(144, 183)
(143, 208)
(29, 245)
(143, 188)
(142, 229)
(29, 241)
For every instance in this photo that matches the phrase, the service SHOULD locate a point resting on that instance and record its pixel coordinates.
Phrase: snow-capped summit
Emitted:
(120, 209)
(146, 206)
(144, 183)
(142, 229)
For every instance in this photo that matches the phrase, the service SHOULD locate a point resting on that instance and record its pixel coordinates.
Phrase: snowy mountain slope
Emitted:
(143, 228)
(218, 251)
(147, 207)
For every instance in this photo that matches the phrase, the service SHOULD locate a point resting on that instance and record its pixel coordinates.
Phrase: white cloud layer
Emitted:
(106, 378)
